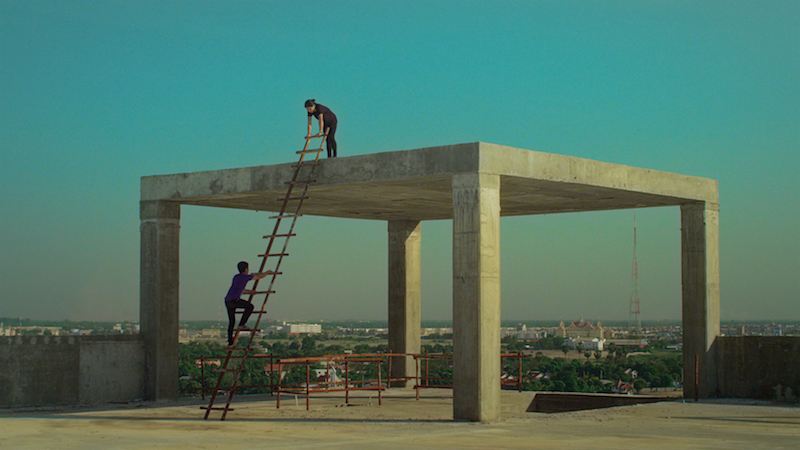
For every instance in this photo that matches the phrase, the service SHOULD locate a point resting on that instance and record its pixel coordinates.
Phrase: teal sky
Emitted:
(96, 94)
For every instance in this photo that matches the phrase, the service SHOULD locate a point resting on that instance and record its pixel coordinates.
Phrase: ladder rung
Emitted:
(264, 292)
(269, 236)
(307, 164)
(286, 216)
(287, 199)
(268, 255)
(260, 312)
(217, 408)
(303, 152)
(300, 182)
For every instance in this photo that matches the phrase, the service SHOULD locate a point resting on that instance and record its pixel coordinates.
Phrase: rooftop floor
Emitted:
(403, 422)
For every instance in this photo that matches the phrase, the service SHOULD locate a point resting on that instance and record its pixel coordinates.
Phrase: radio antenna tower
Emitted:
(634, 319)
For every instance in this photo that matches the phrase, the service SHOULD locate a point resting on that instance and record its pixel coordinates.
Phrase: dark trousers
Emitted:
(330, 130)
(231, 306)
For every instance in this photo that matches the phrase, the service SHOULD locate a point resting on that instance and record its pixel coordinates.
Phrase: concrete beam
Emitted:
(158, 296)
(405, 317)
(415, 184)
(700, 277)
(476, 297)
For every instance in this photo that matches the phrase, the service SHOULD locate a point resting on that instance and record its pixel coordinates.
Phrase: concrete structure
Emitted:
(68, 370)
(766, 367)
(472, 184)
(405, 315)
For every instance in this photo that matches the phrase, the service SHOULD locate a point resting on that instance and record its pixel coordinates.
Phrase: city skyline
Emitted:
(98, 94)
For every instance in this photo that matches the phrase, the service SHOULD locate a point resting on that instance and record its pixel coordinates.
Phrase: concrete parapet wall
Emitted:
(761, 367)
(69, 370)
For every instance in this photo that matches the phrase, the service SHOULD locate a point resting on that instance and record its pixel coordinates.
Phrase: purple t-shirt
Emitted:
(237, 286)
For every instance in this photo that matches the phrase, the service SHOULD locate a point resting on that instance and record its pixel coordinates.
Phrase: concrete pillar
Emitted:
(476, 297)
(158, 296)
(700, 276)
(404, 295)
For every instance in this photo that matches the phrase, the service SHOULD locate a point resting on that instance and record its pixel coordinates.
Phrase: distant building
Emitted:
(627, 342)
(622, 387)
(211, 332)
(279, 369)
(522, 333)
(53, 331)
(295, 328)
(76, 331)
(303, 328)
(587, 344)
(437, 331)
(583, 329)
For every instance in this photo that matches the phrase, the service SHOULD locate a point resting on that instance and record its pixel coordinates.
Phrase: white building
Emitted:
(440, 331)
(294, 328)
(588, 344)
(522, 333)
(303, 328)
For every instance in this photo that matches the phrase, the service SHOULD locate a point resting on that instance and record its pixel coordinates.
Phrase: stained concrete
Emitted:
(762, 367)
(158, 296)
(476, 297)
(472, 184)
(69, 370)
(404, 293)
(701, 295)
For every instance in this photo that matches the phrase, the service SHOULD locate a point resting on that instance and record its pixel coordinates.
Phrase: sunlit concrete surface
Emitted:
(405, 423)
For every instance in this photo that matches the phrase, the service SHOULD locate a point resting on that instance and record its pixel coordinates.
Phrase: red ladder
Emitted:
(235, 364)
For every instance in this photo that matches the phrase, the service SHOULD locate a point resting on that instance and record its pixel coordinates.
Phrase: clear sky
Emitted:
(96, 94)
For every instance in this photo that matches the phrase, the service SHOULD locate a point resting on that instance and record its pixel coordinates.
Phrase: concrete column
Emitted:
(700, 276)
(158, 296)
(476, 297)
(404, 295)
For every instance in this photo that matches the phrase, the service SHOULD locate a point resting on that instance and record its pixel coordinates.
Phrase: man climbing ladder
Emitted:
(233, 300)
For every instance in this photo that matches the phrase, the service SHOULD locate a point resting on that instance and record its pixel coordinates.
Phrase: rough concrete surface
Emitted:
(65, 370)
(403, 423)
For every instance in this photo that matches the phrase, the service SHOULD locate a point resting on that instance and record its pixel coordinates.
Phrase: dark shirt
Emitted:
(237, 286)
(328, 117)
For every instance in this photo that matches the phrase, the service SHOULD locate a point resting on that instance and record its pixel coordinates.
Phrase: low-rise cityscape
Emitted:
(591, 334)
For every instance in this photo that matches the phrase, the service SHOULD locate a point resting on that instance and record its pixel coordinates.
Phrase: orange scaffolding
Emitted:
(327, 385)
(348, 384)
(426, 357)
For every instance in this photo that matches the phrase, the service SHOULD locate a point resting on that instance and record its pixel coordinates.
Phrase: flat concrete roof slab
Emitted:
(416, 184)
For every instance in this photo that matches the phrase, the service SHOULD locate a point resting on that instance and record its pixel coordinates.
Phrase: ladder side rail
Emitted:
(236, 374)
(218, 386)
(276, 229)
(294, 220)
(291, 228)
